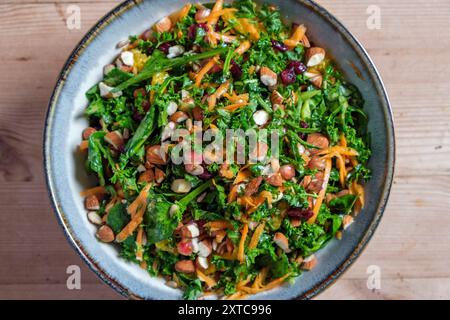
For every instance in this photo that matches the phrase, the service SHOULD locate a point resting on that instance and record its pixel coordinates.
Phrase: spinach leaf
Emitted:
(193, 290)
(116, 77)
(118, 217)
(161, 222)
(343, 205)
(145, 129)
(158, 62)
(95, 158)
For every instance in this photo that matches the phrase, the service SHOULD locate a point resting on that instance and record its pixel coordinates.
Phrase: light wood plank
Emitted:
(411, 245)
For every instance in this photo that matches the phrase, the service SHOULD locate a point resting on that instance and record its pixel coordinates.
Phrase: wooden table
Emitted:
(412, 244)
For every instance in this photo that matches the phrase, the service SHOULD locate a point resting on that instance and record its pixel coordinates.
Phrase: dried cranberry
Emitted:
(206, 175)
(216, 68)
(298, 67)
(146, 105)
(298, 213)
(137, 116)
(150, 51)
(192, 32)
(288, 76)
(279, 46)
(164, 47)
(140, 91)
(235, 70)
(204, 26)
(304, 124)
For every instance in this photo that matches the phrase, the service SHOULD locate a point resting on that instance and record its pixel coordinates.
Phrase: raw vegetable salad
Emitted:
(215, 226)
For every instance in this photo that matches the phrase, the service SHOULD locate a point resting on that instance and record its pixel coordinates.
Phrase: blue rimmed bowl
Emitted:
(66, 176)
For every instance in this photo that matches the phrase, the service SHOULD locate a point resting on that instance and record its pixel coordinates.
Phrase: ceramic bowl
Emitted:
(66, 176)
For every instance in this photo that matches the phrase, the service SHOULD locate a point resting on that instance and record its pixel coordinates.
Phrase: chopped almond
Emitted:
(179, 117)
(281, 241)
(318, 140)
(159, 175)
(105, 234)
(163, 25)
(268, 77)
(347, 221)
(92, 203)
(147, 176)
(315, 78)
(115, 139)
(305, 42)
(87, 132)
(154, 155)
(204, 248)
(314, 56)
(275, 180)
(185, 266)
(309, 263)
(276, 98)
(252, 186)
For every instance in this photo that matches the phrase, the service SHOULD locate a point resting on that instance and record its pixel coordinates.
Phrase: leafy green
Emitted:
(161, 220)
(95, 157)
(158, 62)
(118, 217)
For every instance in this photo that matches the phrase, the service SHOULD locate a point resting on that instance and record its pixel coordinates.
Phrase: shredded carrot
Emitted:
(220, 91)
(234, 98)
(260, 278)
(241, 255)
(218, 225)
(246, 201)
(345, 151)
(242, 25)
(84, 145)
(214, 12)
(227, 38)
(242, 175)
(244, 46)
(256, 236)
(96, 191)
(321, 196)
(296, 37)
(343, 141)
(141, 200)
(203, 277)
(357, 189)
(234, 107)
(270, 285)
(131, 226)
(139, 238)
(199, 76)
(180, 15)
(108, 207)
(232, 195)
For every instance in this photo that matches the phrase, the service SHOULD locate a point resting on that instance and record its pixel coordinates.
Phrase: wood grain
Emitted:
(412, 244)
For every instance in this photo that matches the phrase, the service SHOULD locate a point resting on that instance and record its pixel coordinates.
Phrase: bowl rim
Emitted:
(311, 5)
